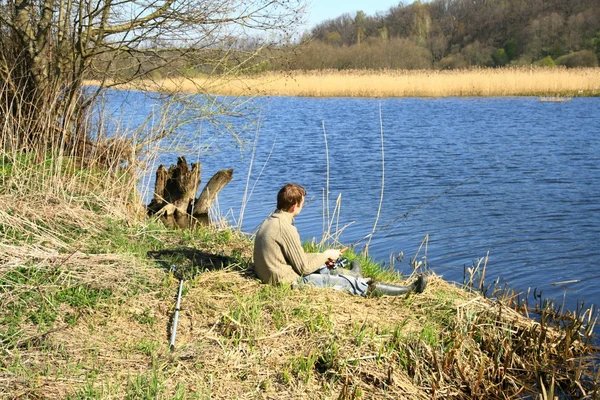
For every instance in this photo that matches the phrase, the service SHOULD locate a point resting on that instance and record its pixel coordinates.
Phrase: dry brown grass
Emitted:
(241, 339)
(422, 83)
(217, 356)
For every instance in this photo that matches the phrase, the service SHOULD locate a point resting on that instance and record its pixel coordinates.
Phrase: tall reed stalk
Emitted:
(246, 197)
(382, 181)
(326, 171)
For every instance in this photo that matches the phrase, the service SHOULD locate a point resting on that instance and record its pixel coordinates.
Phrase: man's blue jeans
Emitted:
(323, 279)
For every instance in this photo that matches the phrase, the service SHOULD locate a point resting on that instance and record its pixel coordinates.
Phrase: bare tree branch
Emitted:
(53, 46)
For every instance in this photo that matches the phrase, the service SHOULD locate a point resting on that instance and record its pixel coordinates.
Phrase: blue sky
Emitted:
(320, 10)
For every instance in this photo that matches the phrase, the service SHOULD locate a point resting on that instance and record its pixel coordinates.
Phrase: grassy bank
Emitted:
(88, 300)
(422, 83)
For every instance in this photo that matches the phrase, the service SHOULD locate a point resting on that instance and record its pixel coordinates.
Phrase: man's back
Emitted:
(278, 253)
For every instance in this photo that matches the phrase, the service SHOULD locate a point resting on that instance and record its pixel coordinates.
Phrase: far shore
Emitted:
(524, 81)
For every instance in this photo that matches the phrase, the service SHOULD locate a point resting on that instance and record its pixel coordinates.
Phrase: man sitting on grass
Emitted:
(280, 259)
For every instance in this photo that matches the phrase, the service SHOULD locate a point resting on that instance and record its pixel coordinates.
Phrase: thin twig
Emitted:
(263, 167)
(245, 196)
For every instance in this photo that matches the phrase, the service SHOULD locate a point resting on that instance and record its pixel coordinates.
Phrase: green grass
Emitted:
(370, 268)
(118, 237)
(145, 317)
(41, 292)
(301, 367)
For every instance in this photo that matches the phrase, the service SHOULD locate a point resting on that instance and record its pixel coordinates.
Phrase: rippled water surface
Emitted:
(530, 173)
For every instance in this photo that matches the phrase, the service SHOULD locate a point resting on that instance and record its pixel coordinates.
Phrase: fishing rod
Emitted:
(428, 201)
(176, 317)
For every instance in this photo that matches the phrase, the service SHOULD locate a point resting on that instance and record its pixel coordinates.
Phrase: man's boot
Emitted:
(381, 289)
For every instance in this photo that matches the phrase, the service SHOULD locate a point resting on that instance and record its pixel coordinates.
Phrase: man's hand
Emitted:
(332, 254)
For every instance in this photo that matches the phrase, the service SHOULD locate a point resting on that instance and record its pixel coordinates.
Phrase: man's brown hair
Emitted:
(289, 195)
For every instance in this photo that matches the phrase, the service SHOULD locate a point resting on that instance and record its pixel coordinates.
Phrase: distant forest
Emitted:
(451, 34)
(436, 34)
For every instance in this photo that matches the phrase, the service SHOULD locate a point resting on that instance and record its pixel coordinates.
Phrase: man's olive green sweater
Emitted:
(278, 253)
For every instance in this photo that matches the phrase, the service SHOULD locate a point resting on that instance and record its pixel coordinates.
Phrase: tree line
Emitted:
(449, 34)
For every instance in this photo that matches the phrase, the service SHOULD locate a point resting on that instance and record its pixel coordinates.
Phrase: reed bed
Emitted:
(391, 83)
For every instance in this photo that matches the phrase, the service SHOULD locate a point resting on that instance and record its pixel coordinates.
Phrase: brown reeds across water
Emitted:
(522, 81)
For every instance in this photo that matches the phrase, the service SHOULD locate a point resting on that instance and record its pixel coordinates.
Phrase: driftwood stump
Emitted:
(175, 191)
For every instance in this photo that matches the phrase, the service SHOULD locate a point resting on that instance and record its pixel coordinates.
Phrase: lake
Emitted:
(515, 177)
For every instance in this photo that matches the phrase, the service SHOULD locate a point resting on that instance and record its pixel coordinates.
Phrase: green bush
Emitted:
(500, 58)
(584, 58)
(334, 38)
(545, 62)
(478, 54)
(511, 49)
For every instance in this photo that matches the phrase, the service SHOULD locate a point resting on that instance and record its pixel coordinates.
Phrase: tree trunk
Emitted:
(209, 193)
(175, 190)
